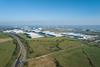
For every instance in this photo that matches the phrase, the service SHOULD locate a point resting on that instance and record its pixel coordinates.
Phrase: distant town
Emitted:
(40, 32)
(28, 45)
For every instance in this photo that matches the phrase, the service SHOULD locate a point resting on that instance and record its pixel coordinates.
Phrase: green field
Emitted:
(43, 46)
(94, 54)
(3, 35)
(6, 51)
(67, 52)
(72, 58)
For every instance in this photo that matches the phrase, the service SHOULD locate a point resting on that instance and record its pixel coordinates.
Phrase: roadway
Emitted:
(19, 62)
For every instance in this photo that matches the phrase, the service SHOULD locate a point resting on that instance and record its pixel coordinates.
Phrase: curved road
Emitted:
(19, 62)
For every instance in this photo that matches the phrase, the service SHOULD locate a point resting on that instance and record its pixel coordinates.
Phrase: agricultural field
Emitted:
(7, 48)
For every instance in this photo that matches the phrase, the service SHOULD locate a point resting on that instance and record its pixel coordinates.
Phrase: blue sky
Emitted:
(62, 12)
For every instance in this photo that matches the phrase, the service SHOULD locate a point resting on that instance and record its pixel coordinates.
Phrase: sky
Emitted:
(50, 12)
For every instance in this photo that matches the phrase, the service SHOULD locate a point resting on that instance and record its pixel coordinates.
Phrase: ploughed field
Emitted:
(61, 52)
(7, 48)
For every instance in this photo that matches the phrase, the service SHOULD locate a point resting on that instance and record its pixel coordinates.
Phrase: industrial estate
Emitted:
(49, 33)
(49, 47)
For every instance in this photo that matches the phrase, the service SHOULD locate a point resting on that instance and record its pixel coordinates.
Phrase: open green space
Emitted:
(6, 52)
(67, 52)
(43, 46)
(71, 54)
(3, 35)
(94, 54)
(71, 58)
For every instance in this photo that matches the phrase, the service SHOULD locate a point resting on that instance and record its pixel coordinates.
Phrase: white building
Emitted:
(34, 35)
(37, 30)
(73, 34)
(80, 36)
(14, 31)
(53, 33)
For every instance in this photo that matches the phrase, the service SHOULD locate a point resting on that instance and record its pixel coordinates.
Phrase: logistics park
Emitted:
(38, 48)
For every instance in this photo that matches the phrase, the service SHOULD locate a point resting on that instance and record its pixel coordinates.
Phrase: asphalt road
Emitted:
(19, 62)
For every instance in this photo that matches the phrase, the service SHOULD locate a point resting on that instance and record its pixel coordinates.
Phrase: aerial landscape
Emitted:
(49, 33)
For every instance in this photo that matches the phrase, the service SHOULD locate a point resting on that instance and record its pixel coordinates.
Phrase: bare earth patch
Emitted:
(42, 62)
(5, 39)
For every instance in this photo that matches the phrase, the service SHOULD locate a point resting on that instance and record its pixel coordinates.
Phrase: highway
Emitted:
(19, 62)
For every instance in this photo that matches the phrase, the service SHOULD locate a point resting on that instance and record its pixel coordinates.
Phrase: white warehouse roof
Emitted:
(33, 35)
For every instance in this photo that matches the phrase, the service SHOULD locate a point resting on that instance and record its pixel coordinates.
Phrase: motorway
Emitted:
(19, 62)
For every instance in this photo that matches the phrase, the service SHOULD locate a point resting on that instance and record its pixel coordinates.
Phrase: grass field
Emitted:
(67, 52)
(41, 46)
(7, 48)
(71, 55)
(6, 51)
(3, 35)
(94, 54)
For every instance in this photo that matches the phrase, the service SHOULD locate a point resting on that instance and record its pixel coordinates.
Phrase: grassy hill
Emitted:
(3, 35)
(94, 54)
(67, 52)
(6, 51)
(43, 46)
(7, 48)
